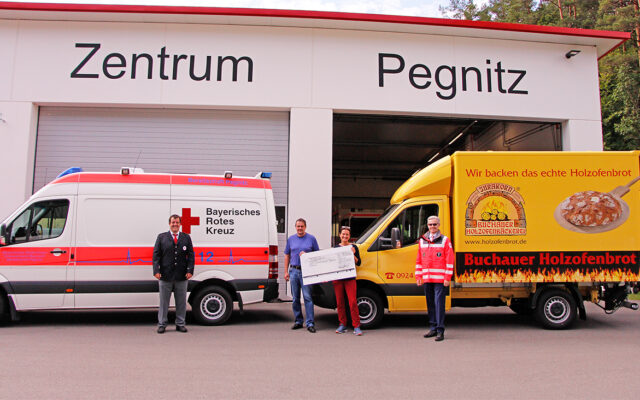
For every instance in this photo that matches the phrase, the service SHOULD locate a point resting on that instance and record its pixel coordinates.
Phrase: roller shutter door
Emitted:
(164, 140)
(161, 140)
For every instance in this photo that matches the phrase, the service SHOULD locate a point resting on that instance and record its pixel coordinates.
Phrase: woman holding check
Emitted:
(350, 287)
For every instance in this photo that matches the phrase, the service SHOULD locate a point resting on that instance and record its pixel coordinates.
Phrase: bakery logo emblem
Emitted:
(495, 209)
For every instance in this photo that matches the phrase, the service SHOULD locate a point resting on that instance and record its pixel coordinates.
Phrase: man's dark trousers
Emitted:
(436, 298)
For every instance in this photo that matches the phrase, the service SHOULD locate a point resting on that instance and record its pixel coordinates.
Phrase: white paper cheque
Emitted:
(328, 265)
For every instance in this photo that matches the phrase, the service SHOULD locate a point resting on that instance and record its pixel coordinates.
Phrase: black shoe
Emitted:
(311, 329)
(161, 329)
(296, 326)
(430, 334)
(182, 329)
(440, 337)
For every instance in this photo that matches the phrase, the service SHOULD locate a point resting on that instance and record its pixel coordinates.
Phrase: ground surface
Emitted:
(488, 353)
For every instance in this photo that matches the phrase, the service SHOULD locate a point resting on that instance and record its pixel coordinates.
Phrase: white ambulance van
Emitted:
(85, 241)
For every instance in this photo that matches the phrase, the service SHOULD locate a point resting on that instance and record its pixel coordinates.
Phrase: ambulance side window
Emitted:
(42, 220)
(412, 223)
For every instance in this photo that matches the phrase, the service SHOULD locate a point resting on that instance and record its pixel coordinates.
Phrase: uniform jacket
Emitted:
(173, 261)
(435, 259)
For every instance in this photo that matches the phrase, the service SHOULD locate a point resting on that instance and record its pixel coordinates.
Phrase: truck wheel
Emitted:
(212, 305)
(556, 309)
(370, 308)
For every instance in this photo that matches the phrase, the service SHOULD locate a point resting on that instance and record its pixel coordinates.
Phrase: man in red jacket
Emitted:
(434, 268)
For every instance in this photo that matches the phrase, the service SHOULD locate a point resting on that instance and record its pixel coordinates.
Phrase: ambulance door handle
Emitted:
(58, 251)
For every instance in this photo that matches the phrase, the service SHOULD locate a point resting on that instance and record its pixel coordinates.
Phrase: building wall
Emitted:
(310, 72)
(310, 144)
(297, 67)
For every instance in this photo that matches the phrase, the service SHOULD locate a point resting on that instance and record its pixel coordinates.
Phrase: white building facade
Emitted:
(174, 89)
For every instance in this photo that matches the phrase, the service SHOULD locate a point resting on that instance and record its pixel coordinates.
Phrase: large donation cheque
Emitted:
(328, 265)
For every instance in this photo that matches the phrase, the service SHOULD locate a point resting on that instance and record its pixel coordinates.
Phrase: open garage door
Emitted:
(373, 154)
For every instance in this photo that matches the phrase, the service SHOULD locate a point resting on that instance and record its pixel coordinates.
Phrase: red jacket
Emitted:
(435, 259)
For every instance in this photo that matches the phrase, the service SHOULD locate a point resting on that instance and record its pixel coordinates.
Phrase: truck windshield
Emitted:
(375, 224)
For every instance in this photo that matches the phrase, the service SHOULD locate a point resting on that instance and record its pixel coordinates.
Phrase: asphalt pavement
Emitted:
(488, 353)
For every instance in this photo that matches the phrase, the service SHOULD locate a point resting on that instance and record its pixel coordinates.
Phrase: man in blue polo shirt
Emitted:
(297, 245)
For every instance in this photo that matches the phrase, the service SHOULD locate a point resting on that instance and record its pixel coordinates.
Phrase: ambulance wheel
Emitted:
(370, 308)
(556, 309)
(212, 306)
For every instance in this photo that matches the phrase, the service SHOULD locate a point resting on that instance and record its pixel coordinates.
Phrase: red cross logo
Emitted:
(188, 220)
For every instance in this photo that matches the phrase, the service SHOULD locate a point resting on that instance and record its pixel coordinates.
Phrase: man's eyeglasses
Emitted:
(432, 224)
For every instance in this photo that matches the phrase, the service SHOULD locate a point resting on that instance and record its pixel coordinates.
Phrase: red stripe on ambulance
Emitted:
(53, 256)
(127, 255)
(144, 255)
(164, 179)
(220, 181)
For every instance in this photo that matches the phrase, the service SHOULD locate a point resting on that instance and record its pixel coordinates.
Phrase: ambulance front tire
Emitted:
(370, 308)
(212, 305)
(556, 309)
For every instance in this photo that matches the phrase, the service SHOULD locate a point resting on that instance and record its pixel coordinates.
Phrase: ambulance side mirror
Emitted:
(396, 242)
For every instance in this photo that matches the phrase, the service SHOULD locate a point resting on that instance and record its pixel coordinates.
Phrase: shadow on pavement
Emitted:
(486, 317)
(138, 317)
(481, 318)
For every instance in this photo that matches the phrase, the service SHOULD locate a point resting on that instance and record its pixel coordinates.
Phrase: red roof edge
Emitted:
(341, 16)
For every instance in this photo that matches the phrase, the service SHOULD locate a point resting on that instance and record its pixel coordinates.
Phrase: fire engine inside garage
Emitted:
(340, 108)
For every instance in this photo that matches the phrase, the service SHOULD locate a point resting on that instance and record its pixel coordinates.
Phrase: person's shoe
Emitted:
(182, 329)
(297, 325)
(341, 329)
(311, 329)
(430, 334)
(161, 329)
(357, 331)
(440, 337)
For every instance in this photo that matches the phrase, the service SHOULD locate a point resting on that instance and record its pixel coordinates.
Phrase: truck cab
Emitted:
(386, 276)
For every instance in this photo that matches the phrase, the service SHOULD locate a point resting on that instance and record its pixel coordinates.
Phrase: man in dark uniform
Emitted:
(173, 261)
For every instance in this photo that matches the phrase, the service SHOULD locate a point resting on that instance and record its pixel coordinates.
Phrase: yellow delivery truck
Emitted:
(540, 232)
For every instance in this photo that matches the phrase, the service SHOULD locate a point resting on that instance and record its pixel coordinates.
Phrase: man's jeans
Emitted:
(295, 278)
(436, 298)
(179, 289)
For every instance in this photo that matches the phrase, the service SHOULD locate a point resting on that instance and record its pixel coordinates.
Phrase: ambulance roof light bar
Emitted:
(69, 171)
(264, 175)
(129, 171)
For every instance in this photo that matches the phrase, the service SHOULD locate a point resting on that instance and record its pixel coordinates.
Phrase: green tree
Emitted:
(620, 109)
(464, 9)
(513, 11)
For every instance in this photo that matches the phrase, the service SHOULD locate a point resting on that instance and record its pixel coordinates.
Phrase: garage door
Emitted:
(161, 140)
(165, 140)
